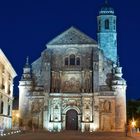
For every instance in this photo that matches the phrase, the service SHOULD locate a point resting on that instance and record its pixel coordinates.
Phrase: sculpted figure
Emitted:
(107, 106)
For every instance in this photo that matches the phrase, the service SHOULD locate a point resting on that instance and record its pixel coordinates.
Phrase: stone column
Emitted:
(64, 122)
(79, 122)
(90, 81)
(82, 83)
(45, 118)
(40, 114)
(83, 127)
(95, 76)
(120, 109)
(83, 111)
(119, 87)
(11, 87)
(60, 86)
(1, 75)
(8, 84)
(52, 81)
(6, 81)
(96, 114)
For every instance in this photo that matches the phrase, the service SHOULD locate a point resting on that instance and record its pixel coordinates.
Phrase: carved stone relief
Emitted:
(71, 82)
(36, 107)
(107, 116)
(72, 85)
(105, 106)
(55, 109)
(71, 102)
(87, 109)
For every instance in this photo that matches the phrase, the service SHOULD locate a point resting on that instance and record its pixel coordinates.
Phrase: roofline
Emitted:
(73, 45)
(72, 27)
(7, 64)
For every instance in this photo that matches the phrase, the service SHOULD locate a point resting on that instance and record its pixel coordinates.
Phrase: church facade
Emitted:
(76, 83)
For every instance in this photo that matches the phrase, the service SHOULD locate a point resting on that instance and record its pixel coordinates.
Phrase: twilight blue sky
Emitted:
(27, 25)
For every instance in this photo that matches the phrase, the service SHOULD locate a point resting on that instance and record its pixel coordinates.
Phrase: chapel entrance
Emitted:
(72, 120)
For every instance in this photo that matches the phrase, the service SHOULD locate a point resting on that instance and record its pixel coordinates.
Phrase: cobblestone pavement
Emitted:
(136, 136)
(68, 135)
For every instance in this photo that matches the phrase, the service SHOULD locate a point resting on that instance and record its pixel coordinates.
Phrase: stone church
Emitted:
(76, 83)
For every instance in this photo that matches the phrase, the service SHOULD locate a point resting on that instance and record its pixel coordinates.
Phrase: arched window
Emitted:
(77, 61)
(114, 24)
(9, 91)
(3, 86)
(72, 59)
(2, 105)
(107, 24)
(66, 61)
(99, 22)
(99, 25)
(56, 107)
(114, 21)
(109, 106)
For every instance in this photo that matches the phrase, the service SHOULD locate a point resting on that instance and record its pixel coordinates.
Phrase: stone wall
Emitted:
(7, 75)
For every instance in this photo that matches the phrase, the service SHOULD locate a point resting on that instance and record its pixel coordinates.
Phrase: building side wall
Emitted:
(6, 92)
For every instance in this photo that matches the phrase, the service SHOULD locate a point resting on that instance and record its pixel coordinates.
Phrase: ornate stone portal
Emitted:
(74, 84)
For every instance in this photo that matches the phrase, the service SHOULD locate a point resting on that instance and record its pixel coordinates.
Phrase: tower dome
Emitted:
(106, 9)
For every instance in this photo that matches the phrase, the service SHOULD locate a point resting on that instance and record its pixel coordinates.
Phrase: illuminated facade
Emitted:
(7, 75)
(15, 114)
(77, 83)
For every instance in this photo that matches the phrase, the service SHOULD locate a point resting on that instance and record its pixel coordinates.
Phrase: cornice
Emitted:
(7, 64)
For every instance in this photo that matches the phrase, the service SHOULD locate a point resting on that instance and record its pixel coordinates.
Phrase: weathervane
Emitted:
(27, 60)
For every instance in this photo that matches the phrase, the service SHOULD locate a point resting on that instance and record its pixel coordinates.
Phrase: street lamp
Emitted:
(17, 120)
(133, 123)
(17, 115)
(133, 129)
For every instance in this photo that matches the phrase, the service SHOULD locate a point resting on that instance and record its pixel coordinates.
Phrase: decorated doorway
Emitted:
(71, 120)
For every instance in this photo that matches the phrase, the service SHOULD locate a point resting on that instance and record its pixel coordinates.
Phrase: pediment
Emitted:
(72, 36)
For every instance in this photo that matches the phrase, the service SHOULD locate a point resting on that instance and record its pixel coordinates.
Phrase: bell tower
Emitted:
(25, 87)
(119, 87)
(107, 35)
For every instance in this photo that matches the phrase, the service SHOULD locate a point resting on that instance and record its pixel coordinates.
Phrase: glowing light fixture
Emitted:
(133, 123)
(17, 115)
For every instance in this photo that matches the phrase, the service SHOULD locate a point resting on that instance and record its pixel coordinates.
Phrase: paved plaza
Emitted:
(69, 135)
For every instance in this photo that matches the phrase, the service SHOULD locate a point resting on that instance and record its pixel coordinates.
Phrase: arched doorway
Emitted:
(71, 120)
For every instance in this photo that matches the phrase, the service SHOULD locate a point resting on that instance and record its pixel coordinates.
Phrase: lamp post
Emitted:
(133, 130)
(17, 120)
(133, 123)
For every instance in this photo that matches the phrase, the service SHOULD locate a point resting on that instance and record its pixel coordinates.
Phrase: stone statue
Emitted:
(107, 106)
